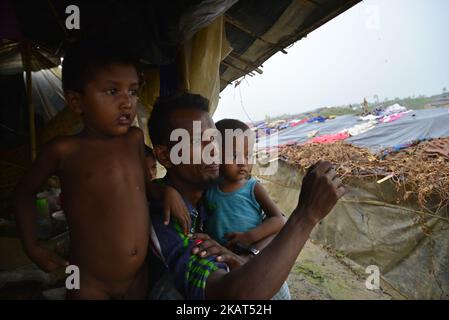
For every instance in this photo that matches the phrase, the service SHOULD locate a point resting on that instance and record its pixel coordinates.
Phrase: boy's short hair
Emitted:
(233, 124)
(149, 153)
(83, 56)
(159, 123)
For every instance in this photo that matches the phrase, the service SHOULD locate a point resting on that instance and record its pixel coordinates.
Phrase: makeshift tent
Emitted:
(200, 46)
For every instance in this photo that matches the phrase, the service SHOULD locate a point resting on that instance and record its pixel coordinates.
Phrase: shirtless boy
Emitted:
(102, 172)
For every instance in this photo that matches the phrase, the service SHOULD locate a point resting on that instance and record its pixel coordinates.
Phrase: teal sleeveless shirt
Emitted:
(236, 211)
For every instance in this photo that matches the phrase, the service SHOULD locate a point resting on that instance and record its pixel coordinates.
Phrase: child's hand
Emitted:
(47, 260)
(174, 205)
(235, 237)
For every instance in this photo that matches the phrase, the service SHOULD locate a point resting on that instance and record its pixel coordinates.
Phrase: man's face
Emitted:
(198, 174)
(108, 103)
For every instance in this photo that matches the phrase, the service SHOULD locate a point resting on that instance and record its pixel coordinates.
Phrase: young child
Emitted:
(242, 211)
(150, 160)
(102, 172)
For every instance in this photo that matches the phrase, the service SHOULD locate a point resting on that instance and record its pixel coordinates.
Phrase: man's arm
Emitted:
(262, 276)
(45, 165)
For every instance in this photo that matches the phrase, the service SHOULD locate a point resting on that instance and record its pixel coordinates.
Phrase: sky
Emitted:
(389, 48)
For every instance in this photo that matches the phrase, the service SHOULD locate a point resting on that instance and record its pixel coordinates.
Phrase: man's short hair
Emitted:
(84, 56)
(159, 123)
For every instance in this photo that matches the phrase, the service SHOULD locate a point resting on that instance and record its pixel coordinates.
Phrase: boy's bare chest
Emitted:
(101, 165)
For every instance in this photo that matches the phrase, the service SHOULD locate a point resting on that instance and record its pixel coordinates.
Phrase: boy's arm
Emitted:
(270, 226)
(44, 166)
(173, 204)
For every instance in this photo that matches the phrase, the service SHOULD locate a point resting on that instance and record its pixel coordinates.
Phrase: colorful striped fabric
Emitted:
(189, 271)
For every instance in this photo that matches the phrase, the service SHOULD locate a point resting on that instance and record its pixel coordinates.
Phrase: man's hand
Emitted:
(46, 260)
(321, 188)
(235, 237)
(174, 205)
(206, 247)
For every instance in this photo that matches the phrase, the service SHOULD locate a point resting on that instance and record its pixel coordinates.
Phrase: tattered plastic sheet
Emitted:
(410, 247)
(417, 124)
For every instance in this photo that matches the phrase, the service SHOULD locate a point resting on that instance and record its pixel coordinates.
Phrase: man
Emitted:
(208, 277)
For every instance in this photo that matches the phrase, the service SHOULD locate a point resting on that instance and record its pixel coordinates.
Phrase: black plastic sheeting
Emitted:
(263, 15)
(153, 29)
(47, 100)
(417, 124)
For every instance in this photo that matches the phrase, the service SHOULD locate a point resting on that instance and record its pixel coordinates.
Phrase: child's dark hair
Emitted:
(149, 153)
(159, 123)
(233, 124)
(84, 56)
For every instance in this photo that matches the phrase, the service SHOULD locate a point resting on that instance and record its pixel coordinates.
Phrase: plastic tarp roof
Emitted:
(256, 29)
(48, 100)
(431, 123)
(425, 124)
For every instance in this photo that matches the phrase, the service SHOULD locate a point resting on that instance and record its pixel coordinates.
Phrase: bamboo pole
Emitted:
(26, 58)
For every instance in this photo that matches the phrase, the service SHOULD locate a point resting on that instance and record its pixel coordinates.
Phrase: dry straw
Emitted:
(414, 171)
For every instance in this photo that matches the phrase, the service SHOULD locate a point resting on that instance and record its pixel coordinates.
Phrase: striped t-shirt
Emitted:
(189, 271)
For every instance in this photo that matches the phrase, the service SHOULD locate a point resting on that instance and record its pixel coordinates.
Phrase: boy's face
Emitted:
(108, 103)
(242, 162)
(152, 168)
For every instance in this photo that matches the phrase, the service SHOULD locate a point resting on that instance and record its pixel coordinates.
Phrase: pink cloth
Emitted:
(329, 138)
(294, 124)
(393, 117)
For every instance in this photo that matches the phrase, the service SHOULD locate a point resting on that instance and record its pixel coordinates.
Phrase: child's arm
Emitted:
(270, 226)
(173, 204)
(25, 205)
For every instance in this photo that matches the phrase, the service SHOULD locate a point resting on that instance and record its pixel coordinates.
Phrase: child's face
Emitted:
(242, 163)
(108, 103)
(152, 168)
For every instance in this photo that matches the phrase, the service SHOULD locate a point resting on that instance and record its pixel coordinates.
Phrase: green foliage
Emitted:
(415, 103)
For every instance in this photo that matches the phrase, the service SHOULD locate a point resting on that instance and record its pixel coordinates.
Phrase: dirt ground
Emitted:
(320, 274)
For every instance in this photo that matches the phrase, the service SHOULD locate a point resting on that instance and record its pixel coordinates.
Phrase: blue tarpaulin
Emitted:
(415, 125)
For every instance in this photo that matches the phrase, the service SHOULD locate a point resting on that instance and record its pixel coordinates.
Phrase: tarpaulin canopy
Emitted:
(256, 29)
(11, 58)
